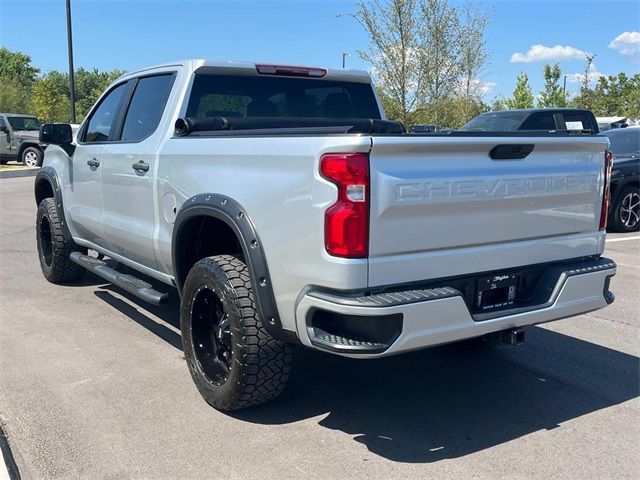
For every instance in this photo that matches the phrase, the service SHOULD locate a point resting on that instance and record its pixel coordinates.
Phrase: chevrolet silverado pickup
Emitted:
(285, 209)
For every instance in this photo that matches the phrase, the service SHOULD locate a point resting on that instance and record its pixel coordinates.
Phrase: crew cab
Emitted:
(285, 209)
(19, 139)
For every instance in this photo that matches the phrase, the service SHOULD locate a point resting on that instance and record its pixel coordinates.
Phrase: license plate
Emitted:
(496, 292)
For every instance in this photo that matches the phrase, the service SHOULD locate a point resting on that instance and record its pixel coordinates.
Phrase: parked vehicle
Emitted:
(425, 129)
(624, 215)
(548, 119)
(285, 209)
(19, 139)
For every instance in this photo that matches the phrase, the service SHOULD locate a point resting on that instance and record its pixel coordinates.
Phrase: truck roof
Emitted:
(195, 64)
(537, 110)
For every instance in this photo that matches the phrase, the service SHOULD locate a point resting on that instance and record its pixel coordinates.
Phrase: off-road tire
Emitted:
(617, 221)
(34, 153)
(260, 365)
(53, 248)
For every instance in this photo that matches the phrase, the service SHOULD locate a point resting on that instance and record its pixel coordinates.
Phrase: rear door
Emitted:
(128, 174)
(441, 206)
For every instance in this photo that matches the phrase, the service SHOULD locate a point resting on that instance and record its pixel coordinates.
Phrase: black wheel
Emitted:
(234, 362)
(625, 215)
(32, 157)
(53, 248)
(3, 161)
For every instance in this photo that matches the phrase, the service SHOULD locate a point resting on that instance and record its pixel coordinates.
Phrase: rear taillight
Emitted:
(608, 162)
(346, 222)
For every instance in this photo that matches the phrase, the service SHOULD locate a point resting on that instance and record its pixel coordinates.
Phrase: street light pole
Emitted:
(344, 59)
(564, 85)
(72, 92)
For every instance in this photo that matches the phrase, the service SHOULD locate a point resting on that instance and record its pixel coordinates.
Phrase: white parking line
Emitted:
(622, 239)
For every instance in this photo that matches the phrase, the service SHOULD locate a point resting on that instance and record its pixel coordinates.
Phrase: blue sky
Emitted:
(136, 33)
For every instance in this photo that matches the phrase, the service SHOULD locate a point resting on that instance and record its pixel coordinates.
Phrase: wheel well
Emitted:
(43, 189)
(24, 146)
(200, 237)
(616, 190)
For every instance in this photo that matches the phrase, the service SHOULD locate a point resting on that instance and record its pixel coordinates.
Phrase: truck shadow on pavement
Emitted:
(441, 403)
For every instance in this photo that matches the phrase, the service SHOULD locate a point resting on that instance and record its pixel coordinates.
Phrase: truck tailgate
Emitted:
(441, 206)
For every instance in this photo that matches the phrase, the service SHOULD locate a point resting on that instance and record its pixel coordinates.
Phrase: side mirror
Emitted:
(56, 133)
(4, 129)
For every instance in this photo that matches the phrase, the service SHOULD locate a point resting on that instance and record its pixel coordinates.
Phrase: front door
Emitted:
(5, 142)
(84, 196)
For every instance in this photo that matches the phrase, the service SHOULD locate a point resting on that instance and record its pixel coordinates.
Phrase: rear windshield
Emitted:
(495, 122)
(262, 96)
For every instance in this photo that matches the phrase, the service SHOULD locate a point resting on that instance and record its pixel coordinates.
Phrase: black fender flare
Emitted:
(230, 212)
(49, 175)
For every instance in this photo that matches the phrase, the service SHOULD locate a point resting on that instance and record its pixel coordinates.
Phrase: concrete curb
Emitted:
(27, 172)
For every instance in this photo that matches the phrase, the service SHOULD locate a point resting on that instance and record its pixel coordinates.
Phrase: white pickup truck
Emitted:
(285, 209)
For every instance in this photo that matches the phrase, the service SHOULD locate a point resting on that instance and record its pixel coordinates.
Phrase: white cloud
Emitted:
(487, 87)
(628, 44)
(594, 75)
(539, 53)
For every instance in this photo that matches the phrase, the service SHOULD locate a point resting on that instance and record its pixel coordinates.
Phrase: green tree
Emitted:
(89, 86)
(17, 67)
(49, 101)
(17, 77)
(552, 95)
(391, 107)
(13, 97)
(415, 51)
(617, 95)
(499, 103)
(394, 38)
(473, 56)
(440, 51)
(522, 96)
(450, 112)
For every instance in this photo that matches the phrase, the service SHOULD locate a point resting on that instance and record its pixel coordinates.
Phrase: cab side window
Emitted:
(146, 106)
(577, 121)
(543, 121)
(101, 124)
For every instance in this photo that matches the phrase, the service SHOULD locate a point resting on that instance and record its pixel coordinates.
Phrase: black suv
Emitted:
(559, 119)
(625, 179)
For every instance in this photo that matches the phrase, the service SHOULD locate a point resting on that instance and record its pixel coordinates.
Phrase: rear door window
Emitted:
(577, 121)
(146, 107)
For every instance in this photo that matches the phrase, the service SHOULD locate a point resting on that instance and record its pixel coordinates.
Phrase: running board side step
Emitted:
(129, 283)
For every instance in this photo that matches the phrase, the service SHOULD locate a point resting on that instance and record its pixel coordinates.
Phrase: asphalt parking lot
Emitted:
(93, 385)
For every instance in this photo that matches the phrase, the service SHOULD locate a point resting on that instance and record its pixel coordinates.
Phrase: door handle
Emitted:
(140, 166)
(93, 163)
